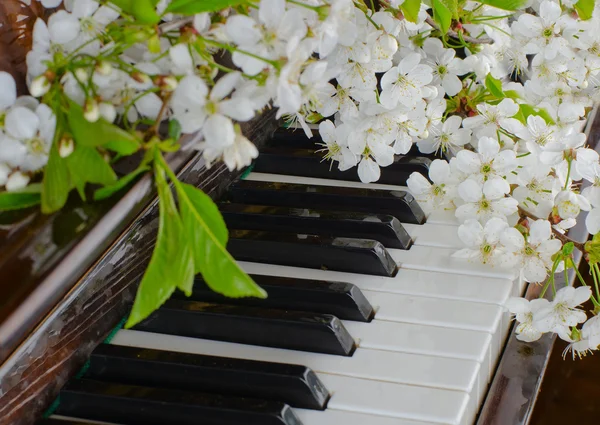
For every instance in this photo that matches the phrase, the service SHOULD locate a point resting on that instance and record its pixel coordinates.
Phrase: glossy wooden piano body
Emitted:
(66, 281)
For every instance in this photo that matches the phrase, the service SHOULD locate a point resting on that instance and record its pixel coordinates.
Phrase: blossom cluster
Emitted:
(500, 98)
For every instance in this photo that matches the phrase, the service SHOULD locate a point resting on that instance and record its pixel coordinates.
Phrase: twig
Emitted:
(175, 25)
(454, 34)
(155, 127)
(563, 238)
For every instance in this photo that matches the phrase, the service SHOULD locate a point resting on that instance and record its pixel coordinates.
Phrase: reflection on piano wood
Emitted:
(369, 320)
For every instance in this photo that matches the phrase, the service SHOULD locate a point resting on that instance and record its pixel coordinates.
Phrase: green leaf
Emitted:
(144, 11)
(56, 184)
(527, 110)
(568, 248)
(88, 166)
(494, 86)
(28, 197)
(442, 15)
(452, 6)
(505, 4)
(171, 265)
(411, 9)
(512, 94)
(174, 129)
(108, 191)
(585, 9)
(204, 224)
(191, 7)
(100, 133)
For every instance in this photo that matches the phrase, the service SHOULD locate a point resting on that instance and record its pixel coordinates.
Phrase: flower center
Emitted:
(548, 32)
(212, 107)
(36, 146)
(486, 169)
(529, 251)
(442, 70)
(484, 204)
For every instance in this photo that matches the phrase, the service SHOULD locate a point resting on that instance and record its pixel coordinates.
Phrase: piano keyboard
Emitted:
(370, 320)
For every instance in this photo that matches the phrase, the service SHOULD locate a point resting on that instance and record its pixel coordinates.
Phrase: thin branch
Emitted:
(174, 25)
(561, 237)
(454, 34)
(161, 115)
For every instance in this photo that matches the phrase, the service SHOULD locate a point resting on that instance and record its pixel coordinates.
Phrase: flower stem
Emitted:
(454, 34)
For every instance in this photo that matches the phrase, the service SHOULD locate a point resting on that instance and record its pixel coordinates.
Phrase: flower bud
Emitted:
(166, 83)
(17, 181)
(141, 78)
(154, 44)
(108, 112)
(81, 74)
(66, 146)
(39, 86)
(104, 68)
(91, 111)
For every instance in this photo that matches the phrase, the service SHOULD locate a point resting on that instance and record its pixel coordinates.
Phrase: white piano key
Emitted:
(399, 401)
(390, 366)
(440, 260)
(410, 282)
(445, 217)
(439, 312)
(423, 339)
(340, 417)
(371, 396)
(429, 234)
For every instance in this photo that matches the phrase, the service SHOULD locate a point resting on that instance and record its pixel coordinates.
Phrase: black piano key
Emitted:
(135, 405)
(343, 300)
(380, 227)
(303, 331)
(309, 163)
(349, 255)
(397, 203)
(295, 385)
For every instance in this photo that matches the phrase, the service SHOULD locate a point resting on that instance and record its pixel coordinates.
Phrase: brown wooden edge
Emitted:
(32, 377)
(514, 390)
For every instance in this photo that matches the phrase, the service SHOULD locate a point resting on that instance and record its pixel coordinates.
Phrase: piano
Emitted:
(369, 319)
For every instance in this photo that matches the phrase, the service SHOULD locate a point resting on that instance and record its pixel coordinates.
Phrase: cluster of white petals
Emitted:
(505, 119)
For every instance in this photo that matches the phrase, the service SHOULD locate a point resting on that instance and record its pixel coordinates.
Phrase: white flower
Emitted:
(235, 156)
(264, 37)
(591, 332)
(491, 117)
(8, 91)
(535, 190)
(533, 255)
(371, 143)
(335, 145)
(446, 67)
(483, 242)
(536, 134)
(403, 83)
(543, 31)
(489, 162)
(524, 311)
(188, 103)
(570, 204)
(485, 201)
(563, 311)
(567, 155)
(441, 193)
(449, 138)
(34, 130)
